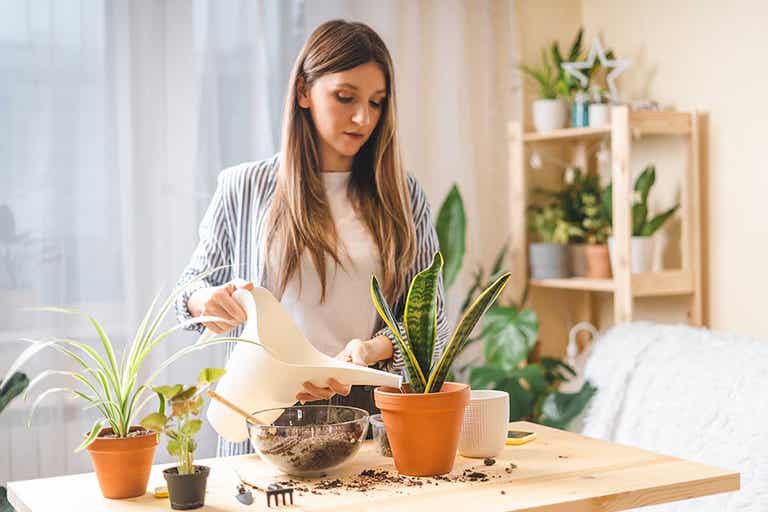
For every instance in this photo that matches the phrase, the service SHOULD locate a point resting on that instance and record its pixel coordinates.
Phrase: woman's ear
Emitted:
(302, 94)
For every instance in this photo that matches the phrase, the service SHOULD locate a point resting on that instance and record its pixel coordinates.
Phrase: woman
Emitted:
(312, 223)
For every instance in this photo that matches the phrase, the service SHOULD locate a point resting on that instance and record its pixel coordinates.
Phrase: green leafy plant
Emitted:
(641, 224)
(553, 81)
(548, 224)
(10, 390)
(181, 424)
(420, 319)
(509, 334)
(109, 386)
(585, 206)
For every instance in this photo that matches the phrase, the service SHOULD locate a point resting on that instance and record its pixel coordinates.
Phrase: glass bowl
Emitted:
(380, 436)
(309, 440)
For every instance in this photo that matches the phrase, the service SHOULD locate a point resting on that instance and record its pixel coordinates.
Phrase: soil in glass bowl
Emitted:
(310, 440)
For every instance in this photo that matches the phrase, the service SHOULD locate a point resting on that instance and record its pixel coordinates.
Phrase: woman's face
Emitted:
(345, 108)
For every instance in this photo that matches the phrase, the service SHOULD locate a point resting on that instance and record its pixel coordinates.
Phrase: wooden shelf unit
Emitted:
(626, 126)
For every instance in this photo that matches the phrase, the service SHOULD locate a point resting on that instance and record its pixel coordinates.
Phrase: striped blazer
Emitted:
(232, 233)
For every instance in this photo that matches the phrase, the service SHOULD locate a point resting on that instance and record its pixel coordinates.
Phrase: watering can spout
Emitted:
(269, 376)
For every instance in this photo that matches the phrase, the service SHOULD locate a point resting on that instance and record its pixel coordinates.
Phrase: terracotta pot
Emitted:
(577, 259)
(122, 464)
(598, 261)
(423, 429)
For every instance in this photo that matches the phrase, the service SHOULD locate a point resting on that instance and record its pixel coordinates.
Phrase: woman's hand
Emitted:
(217, 301)
(363, 353)
(309, 392)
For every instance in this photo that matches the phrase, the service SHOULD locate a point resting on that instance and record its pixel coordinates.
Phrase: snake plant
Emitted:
(103, 383)
(420, 321)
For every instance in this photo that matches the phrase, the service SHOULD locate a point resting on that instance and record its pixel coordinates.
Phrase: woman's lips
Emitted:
(355, 136)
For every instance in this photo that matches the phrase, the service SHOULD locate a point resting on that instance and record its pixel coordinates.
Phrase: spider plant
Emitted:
(420, 321)
(102, 382)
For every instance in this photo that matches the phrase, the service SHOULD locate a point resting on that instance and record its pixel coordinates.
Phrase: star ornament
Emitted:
(616, 67)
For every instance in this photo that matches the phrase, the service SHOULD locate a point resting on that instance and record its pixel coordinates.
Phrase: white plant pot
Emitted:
(549, 115)
(599, 115)
(641, 251)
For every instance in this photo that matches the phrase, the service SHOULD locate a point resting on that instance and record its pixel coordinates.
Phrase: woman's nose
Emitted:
(362, 116)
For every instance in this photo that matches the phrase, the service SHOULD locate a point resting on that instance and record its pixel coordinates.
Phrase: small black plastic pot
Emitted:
(187, 491)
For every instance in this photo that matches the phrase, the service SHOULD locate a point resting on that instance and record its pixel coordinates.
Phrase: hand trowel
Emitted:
(264, 378)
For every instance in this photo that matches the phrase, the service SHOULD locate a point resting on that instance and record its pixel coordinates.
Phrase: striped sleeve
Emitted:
(427, 245)
(213, 250)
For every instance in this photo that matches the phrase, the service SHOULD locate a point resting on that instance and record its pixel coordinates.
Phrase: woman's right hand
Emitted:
(217, 301)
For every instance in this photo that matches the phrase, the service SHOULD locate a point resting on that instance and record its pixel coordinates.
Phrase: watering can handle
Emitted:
(245, 299)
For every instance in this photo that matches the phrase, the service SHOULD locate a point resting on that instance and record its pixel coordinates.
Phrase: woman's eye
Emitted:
(375, 105)
(344, 99)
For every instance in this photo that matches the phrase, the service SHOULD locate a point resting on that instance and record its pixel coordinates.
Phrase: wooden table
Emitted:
(560, 471)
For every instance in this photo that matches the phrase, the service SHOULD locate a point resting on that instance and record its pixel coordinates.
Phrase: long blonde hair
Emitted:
(300, 217)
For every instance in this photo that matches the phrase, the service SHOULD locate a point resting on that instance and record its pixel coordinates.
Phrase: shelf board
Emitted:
(646, 122)
(647, 284)
(576, 283)
(567, 133)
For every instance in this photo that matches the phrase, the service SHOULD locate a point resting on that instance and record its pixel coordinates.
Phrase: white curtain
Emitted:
(116, 116)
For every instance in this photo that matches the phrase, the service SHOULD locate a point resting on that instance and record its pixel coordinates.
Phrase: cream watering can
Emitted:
(264, 378)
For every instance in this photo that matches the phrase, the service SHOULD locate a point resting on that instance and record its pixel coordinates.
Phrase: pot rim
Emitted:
(116, 444)
(387, 398)
(170, 471)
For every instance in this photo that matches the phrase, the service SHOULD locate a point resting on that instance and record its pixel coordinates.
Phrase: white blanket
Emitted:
(690, 393)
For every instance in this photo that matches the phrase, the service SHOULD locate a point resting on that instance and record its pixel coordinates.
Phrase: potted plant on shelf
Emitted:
(548, 255)
(120, 449)
(186, 481)
(570, 200)
(643, 228)
(423, 421)
(550, 111)
(596, 228)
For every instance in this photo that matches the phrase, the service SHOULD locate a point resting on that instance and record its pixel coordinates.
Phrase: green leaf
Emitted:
(4, 505)
(499, 261)
(210, 375)
(476, 283)
(12, 388)
(92, 434)
(575, 52)
(174, 447)
(606, 203)
(192, 427)
(655, 223)
(644, 182)
(559, 409)
(639, 216)
(155, 421)
(509, 335)
(415, 375)
(420, 316)
(451, 227)
(168, 392)
(486, 377)
(521, 400)
(556, 370)
(469, 319)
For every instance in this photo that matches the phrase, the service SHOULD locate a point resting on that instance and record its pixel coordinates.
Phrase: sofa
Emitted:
(687, 392)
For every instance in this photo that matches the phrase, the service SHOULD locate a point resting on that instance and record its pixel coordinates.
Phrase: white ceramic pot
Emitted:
(599, 115)
(484, 429)
(549, 115)
(641, 251)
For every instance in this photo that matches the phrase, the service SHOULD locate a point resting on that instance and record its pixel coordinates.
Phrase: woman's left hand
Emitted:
(363, 353)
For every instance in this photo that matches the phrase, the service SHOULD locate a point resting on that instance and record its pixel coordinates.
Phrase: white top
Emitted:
(348, 311)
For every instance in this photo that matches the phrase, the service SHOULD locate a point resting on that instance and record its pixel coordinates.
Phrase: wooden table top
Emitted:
(559, 471)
